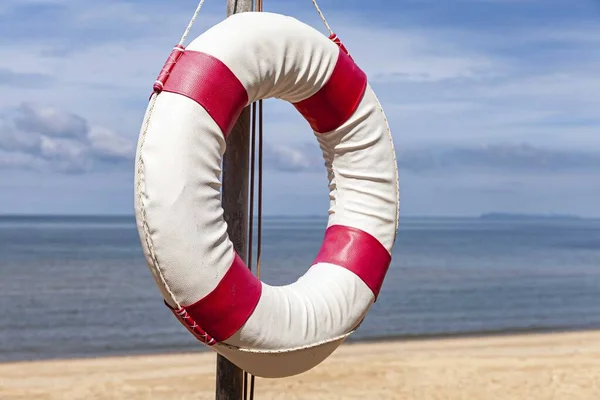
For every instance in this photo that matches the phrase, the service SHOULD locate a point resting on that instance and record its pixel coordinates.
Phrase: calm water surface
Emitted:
(80, 286)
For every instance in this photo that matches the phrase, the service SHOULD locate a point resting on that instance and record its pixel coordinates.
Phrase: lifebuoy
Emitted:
(266, 330)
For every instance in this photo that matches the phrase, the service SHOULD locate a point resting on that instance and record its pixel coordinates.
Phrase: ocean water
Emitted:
(72, 287)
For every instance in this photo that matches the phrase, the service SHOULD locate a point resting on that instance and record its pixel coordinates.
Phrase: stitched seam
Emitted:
(197, 330)
(391, 140)
(141, 194)
(289, 350)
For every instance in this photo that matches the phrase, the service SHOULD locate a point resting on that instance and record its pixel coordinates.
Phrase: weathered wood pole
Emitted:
(235, 206)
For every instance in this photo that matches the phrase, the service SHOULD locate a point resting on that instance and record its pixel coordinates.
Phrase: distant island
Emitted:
(509, 216)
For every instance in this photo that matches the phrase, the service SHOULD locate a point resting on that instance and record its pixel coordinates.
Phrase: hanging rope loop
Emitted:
(332, 35)
(191, 23)
(322, 17)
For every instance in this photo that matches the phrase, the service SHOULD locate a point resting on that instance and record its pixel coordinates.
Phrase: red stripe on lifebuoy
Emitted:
(357, 251)
(210, 83)
(226, 309)
(337, 100)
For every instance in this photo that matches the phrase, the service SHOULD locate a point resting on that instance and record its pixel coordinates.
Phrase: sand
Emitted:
(563, 366)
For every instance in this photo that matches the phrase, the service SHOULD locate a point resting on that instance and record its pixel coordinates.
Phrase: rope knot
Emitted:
(337, 41)
(166, 70)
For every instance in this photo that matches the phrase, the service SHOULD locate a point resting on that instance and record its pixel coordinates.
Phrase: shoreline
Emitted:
(199, 348)
(540, 366)
(491, 333)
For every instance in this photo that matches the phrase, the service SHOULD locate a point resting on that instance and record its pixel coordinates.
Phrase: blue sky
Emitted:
(493, 104)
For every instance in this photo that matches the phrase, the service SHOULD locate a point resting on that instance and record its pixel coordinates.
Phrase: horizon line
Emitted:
(484, 215)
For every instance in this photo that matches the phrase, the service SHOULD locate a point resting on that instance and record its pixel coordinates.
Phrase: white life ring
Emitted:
(268, 331)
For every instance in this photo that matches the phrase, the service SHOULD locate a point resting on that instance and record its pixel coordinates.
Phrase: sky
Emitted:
(493, 104)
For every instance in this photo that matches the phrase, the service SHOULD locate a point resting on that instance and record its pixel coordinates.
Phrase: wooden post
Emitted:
(235, 207)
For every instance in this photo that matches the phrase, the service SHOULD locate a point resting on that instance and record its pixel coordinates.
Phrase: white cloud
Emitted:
(19, 160)
(290, 158)
(48, 121)
(108, 144)
(42, 137)
(491, 158)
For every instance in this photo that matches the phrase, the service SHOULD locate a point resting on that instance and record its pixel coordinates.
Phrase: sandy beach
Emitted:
(537, 366)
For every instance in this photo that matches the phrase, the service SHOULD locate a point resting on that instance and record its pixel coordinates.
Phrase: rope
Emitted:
(260, 183)
(249, 389)
(252, 185)
(192, 21)
(259, 221)
(320, 15)
(251, 218)
(252, 167)
(141, 194)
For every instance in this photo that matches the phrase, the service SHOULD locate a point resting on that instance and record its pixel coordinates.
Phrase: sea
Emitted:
(79, 286)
